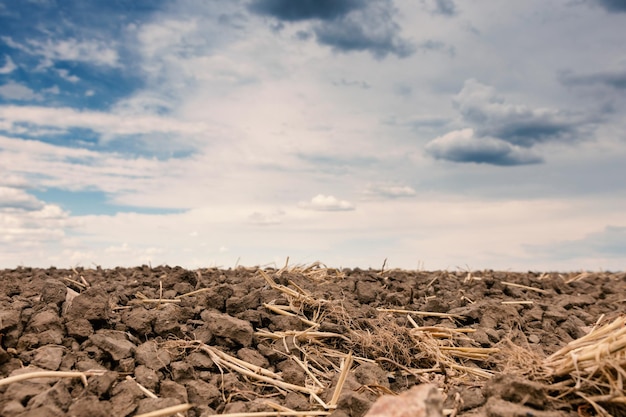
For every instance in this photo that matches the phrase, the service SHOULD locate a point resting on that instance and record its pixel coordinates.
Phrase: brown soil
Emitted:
(150, 326)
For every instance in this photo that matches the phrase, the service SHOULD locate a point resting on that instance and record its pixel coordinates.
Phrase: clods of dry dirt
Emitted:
(250, 340)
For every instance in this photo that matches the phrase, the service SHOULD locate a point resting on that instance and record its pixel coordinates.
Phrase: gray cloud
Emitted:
(613, 79)
(345, 25)
(349, 83)
(441, 7)
(618, 6)
(519, 125)
(501, 133)
(15, 91)
(389, 190)
(464, 146)
(293, 11)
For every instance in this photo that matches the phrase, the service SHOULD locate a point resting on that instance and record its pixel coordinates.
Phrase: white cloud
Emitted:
(389, 190)
(15, 198)
(16, 91)
(266, 219)
(92, 51)
(65, 74)
(52, 90)
(105, 123)
(323, 202)
(9, 66)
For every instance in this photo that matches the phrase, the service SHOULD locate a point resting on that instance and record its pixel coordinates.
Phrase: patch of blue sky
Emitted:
(93, 202)
(73, 84)
(70, 138)
(28, 29)
(73, 17)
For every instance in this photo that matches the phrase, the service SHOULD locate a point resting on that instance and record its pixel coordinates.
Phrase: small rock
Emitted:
(201, 392)
(497, 407)
(140, 320)
(147, 377)
(89, 406)
(169, 320)
(182, 370)
(44, 411)
(171, 389)
(58, 396)
(53, 292)
(152, 356)
(297, 401)
(100, 385)
(253, 357)
(8, 319)
(45, 320)
(12, 408)
(147, 405)
(92, 304)
(354, 403)
(49, 357)
(79, 328)
(200, 360)
(228, 327)
(371, 374)
(124, 398)
(51, 337)
(367, 291)
(114, 343)
(516, 389)
(533, 338)
(420, 401)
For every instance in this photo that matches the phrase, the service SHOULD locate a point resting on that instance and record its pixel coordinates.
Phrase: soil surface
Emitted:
(208, 338)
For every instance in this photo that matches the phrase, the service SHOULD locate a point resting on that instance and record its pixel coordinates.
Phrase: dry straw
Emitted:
(592, 369)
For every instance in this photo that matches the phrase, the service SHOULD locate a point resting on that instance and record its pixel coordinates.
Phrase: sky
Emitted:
(433, 134)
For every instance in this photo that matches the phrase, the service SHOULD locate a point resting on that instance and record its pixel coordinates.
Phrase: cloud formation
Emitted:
(520, 125)
(501, 133)
(292, 11)
(91, 51)
(266, 218)
(618, 6)
(344, 25)
(388, 190)
(465, 146)
(441, 7)
(19, 92)
(14, 198)
(9, 66)
(614, 79)
(323, 202)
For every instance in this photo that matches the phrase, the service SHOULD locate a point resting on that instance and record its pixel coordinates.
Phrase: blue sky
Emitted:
(432, 133)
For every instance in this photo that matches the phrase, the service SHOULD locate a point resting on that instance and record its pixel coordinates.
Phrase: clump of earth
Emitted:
(151, 338)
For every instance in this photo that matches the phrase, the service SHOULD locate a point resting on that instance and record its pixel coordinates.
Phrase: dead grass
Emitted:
(592, 369)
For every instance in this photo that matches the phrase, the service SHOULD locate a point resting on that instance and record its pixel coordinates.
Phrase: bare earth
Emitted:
(248, 340)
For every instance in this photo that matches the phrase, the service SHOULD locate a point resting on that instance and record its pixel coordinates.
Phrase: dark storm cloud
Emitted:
(345, 25)
(613, 79)
(293, 11)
